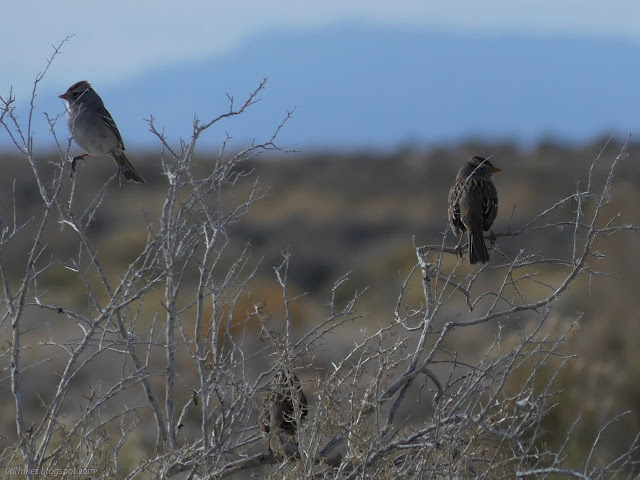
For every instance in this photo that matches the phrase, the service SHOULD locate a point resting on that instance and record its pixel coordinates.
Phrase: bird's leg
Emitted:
(459, 245)
(492, 237)
(75, 159)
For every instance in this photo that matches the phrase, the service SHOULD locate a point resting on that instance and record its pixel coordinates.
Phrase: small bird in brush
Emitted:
(94, 130)
(473, 205)
(281, 410)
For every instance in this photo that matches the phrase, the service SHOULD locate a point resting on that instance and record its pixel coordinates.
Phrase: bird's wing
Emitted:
(489, 206)
(454, 207)
(109, 122)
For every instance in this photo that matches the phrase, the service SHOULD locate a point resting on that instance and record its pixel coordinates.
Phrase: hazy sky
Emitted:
(571, 76)
(117, 39)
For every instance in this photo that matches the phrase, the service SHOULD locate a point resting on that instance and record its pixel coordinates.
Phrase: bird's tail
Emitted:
(126, 169)
(477, 248)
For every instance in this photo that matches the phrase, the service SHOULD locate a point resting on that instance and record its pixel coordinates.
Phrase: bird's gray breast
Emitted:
(91, 133)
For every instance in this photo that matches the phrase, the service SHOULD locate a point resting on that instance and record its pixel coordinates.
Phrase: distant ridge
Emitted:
(354, 87)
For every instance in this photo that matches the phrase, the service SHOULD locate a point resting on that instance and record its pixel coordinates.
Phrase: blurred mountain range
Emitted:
(356, 87)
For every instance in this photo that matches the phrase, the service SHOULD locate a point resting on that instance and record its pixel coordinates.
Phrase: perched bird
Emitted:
(94, 130)
(282, 409)
(473, 205)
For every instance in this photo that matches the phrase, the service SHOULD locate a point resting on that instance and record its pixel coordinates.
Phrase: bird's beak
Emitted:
(495, 170)
(64, 96)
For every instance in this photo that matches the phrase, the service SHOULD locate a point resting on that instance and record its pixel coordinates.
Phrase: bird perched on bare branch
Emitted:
(282, 410)
(94, 130)
(473, 205)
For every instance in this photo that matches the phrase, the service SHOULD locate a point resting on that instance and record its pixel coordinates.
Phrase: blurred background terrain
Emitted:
(362, 213)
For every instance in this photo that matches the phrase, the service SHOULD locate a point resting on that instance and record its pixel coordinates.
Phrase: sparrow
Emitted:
(94, 130)
(473, 205)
